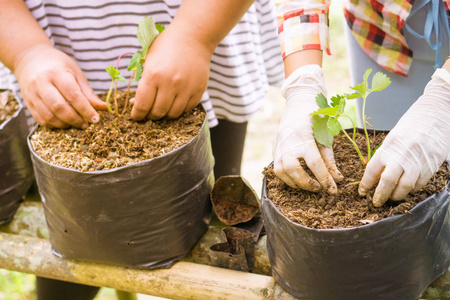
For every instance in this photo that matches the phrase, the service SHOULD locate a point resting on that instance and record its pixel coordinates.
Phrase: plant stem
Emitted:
(116, 107)
(356, 147)
(128, 93)
(108, 98)
(354, 126)
(364, 125)
(118, 59)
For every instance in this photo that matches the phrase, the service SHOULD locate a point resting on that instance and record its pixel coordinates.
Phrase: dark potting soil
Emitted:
(346, 209)
(8, 106)
(115, 141)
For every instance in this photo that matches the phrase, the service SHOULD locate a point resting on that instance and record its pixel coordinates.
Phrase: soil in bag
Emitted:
(342, 247)
(110, 197)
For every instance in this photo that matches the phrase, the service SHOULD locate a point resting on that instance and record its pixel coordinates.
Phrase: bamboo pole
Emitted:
(29, 221)
(183, 281)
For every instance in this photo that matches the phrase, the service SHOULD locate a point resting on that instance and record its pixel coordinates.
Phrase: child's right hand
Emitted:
(55, 89)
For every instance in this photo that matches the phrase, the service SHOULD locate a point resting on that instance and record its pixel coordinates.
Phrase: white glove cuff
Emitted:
(443, 74)
(305, 76)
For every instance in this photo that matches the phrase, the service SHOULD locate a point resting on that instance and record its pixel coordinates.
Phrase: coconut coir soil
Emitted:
(8, 106)
(115, 141)
(346, 209)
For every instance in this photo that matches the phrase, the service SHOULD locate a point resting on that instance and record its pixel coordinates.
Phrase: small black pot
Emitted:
(394, 258)
(145, 215)
(16, 175)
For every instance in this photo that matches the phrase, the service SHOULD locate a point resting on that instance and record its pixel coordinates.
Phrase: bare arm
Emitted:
(20, 32)
(177, 66)
(53, 87)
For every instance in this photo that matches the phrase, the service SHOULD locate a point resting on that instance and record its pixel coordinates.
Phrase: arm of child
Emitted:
(53, 87)
(176, 70)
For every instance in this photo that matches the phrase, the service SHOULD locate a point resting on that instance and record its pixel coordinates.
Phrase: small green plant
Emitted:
(146, 34)
(326, 118)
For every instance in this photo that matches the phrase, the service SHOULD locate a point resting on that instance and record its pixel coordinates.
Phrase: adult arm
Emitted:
(176, 70)
(416, 147)
(304, 80)
(53, 87)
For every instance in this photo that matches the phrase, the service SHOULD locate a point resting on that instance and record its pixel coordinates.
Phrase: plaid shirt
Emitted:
(377, 26)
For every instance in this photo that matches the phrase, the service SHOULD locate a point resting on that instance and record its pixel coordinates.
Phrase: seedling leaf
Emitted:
(328, 111)
(135, 61)
(321, 134)
(334, 127)
(337, 100)
(353, 95)
(146, 33)
(113, 72)
(372, 152)
(160, 27)
(321, 100)
(379, 82)
(138, 73)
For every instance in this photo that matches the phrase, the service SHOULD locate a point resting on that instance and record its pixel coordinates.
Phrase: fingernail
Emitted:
(95, 119)
(376, 202)
(332, 190)
(84, 126)
(362, 191)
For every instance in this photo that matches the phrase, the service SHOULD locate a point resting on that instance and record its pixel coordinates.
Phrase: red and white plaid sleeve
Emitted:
(303, 24)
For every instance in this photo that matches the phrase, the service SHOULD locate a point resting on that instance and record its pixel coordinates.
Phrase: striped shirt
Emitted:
(377, 25)
(95, 33)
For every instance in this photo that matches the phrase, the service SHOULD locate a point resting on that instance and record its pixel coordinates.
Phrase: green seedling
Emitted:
(326, 118)
(115, 76)
(146, 34)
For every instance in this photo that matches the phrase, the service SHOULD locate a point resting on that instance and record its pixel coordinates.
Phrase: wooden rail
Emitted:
(24, 247)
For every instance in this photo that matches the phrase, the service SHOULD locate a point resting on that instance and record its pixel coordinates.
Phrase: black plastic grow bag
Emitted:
(16, 175)
(145, 215)
(394, 258)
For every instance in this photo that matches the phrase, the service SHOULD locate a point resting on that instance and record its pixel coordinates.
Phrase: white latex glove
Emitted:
(294, 138)
(415, 148)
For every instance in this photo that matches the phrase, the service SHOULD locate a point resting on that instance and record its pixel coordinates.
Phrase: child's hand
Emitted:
(55, 89)
(175, 76)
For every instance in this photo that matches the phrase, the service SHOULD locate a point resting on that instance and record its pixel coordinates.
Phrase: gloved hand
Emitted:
(415, 148)
(295, 139)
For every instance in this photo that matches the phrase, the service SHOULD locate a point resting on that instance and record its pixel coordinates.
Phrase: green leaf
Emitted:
(328, 111)
(160, 27)
(363, 88)
(336, 100)
(121, 78)
(366, 77)
(334, 127)
(146, 33)
(321, 133)
(138, 73)
(372, 152)
(321, 100)
(135, 61)
(353, 95)
(113, 72)
(379, 82)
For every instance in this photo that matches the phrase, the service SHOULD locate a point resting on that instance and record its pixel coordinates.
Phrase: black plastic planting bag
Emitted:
(145, 215)
(16, 170)
(394, 258)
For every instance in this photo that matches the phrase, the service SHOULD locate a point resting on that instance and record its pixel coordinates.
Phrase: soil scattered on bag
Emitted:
(115, 141)
(8, 106)
(346, 209)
